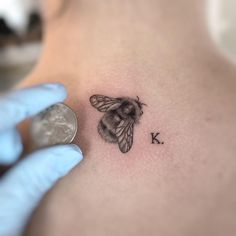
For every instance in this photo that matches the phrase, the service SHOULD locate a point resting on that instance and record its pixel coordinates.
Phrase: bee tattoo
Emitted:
(117, 124)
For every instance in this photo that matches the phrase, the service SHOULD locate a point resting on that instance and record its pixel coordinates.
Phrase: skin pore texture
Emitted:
(160, 51)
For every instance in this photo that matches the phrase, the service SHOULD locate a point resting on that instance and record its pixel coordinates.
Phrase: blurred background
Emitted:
(21, 33)
(20, 39)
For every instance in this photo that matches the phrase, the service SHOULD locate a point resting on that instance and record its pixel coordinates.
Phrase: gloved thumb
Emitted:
(22, 188)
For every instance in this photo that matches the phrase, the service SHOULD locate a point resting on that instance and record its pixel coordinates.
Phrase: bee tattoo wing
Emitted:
(124, 134)
(104, 103)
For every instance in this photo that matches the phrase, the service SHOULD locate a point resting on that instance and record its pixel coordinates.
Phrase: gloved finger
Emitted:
(10, 146)
(21, 104)
(23, 187)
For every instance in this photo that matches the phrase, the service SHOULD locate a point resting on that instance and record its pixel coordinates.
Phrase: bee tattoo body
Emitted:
(117, 124)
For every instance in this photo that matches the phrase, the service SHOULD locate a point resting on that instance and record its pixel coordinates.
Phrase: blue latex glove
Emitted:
(23, 186)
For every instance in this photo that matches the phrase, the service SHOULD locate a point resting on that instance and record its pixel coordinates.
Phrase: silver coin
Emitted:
(56, 125)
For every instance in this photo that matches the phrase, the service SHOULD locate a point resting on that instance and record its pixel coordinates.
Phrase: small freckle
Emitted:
(220, 175)
(208, 119)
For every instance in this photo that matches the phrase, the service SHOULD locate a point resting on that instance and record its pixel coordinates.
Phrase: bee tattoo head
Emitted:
(117, 124)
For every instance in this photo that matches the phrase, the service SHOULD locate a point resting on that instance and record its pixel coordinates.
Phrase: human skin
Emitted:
(161, 51)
